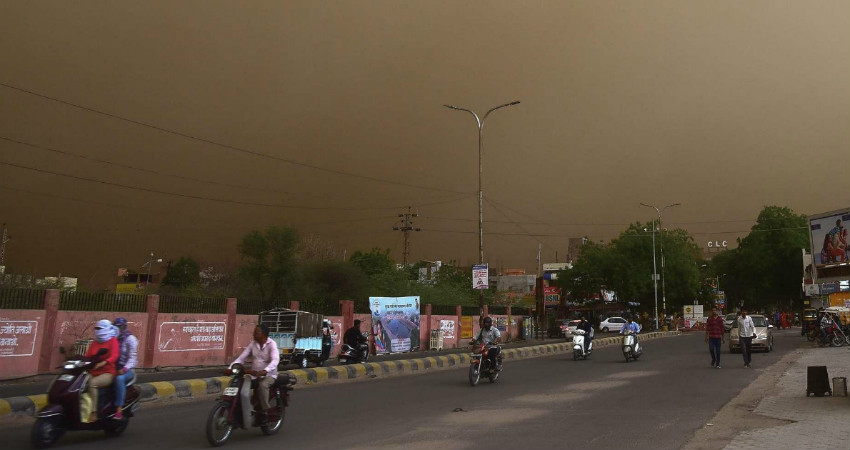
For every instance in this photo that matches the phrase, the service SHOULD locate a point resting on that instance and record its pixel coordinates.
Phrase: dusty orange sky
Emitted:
(328, 116)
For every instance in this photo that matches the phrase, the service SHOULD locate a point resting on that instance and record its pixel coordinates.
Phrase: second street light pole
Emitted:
(655, 275)
(480, 122)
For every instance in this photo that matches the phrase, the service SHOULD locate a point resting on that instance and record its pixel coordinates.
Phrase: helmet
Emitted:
(120, 322)
(488, 321)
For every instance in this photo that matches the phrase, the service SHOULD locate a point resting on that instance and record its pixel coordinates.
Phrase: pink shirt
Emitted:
(263, 357)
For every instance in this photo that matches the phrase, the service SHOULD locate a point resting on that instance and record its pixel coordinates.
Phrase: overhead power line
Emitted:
(231, 147)
(211, 199)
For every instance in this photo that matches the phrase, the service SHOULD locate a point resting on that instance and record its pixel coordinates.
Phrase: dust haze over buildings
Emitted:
(328, 116)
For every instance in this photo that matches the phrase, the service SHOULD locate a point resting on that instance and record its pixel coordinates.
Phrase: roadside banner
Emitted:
(395, 323)
(17, 337)
(479, 276)
(448, 329)
(191, 336)
(466, 327)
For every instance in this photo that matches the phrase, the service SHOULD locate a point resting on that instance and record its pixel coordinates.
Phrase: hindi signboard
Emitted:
(395, 323)
(466, 327)
(17, 337)
(480, 276)
(191, 336)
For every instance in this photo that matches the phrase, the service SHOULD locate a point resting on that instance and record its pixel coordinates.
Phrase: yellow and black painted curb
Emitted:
(158, 390)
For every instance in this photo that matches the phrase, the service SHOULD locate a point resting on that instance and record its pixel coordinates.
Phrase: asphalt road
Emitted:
(38, 384)
(657, 402)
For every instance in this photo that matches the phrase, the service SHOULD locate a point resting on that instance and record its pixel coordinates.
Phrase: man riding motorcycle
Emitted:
(489, 335)
(631, 326)
(588, 330)
(264, 360)
(353, 337)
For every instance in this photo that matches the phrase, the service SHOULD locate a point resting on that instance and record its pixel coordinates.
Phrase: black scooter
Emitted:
(62, 412)
(350, 355)
(238, 408)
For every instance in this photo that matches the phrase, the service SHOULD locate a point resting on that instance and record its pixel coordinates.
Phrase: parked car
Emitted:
(764, 335)
(614, 324)
(568, 327)
(728, 321)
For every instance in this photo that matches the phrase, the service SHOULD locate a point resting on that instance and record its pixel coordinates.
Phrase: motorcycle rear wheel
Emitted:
(274, 427)
(218, 428)
(494, 377)
(474, 374)
(45, 432)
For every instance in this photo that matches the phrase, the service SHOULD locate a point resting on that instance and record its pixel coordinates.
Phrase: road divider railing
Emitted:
(159, 390)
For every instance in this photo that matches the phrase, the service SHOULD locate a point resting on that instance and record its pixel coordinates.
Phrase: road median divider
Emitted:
(195, 388)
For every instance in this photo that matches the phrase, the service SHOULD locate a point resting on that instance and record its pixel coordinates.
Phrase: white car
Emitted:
(568, 327)
(612, 324)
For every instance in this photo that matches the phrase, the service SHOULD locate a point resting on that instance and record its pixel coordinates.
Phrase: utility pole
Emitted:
(406, 227)
(6, 238)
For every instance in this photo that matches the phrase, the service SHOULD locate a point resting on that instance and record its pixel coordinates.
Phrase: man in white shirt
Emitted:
(264, 360)
(489, 335)
(746, 333)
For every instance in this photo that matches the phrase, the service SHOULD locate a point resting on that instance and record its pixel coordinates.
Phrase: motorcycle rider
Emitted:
(353, 338)
(629, 327)
(103, 373)
(127, 360)
(490, 335)
(264, 360)
(588, 331)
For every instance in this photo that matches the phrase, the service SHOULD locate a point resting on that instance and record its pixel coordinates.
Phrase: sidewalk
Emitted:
(817, 422)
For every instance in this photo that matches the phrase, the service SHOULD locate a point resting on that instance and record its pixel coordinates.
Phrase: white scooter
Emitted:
(578, 344)
(631, 347)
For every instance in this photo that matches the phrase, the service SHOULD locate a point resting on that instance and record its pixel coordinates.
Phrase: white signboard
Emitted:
(191, 336)
(479, 276)
(17, 337)
(448, 328)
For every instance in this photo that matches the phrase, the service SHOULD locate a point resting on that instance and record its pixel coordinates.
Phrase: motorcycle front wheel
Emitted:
(474, 374)
(626, 354)
(218, 427)
(274, 426)
(576, 355)
(45, 431)
(837, 341)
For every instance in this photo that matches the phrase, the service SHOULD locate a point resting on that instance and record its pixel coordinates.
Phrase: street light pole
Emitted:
(480, 122)
(655, 275)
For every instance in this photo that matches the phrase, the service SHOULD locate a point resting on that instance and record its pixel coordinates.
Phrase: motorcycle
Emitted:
(63, 411)
(835, 336)
(350, 355)
(631, 347)
(239, 409)
(479, 363)
(578, 345)
(812, 331)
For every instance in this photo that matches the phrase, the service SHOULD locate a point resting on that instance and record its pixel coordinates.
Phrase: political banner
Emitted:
(395, 323)
(191, 336)
(17, 337)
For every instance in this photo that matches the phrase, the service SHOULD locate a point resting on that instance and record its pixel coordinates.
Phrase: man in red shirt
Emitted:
(714, 336)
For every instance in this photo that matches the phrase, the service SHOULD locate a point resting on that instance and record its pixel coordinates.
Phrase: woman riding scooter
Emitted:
(103, 373)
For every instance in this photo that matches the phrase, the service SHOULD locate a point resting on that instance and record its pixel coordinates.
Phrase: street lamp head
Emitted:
(451, 107)
(515, 102)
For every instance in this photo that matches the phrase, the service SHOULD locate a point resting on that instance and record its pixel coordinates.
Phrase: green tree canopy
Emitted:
(269, 265)
(184, 273)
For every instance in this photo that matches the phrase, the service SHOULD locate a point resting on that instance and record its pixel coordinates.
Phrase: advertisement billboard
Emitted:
(395, 323)
(829, 238)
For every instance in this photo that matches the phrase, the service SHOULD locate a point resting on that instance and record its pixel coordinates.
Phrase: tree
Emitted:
(764, 272)
(270, 266)
(328, 282)
(184, 273)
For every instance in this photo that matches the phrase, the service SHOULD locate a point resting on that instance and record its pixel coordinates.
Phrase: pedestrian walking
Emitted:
(714, 336)
(746, 333)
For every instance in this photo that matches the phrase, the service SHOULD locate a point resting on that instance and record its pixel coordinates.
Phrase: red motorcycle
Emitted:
(239, 409)
(480, 363)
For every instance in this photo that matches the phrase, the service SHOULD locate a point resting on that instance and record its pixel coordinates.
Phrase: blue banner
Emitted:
(395, 323)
